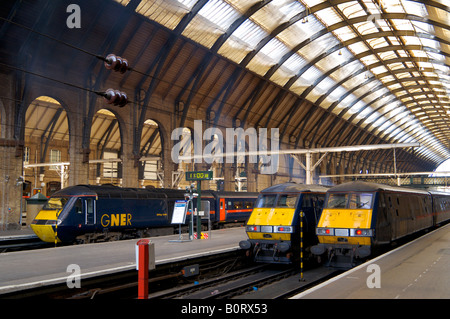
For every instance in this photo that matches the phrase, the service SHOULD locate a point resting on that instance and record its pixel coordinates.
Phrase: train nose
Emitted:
(44, 232)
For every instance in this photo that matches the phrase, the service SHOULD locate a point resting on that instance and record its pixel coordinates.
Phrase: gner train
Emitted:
(273, 228)
(359, 217)
(87, 213)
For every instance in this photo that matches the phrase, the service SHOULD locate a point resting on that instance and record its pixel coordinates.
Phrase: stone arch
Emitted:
(152, 149)
(106, 143)
(46, 132)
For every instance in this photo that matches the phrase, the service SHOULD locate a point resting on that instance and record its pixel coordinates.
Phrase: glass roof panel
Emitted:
(167, 13)
(300, 31)
(275, 49)
(216, 16)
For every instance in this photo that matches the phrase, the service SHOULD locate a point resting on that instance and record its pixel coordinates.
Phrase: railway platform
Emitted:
(25, 233)
(417, 270)
(29, 269)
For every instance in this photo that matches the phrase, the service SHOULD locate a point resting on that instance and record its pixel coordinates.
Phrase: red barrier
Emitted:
(143, 257)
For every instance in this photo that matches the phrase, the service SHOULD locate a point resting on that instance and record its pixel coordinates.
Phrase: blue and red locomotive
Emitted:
(88, 213)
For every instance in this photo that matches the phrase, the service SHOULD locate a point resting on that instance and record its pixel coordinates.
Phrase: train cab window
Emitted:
(266, 201)
(287, 201)
(55, 203)
(360, 201)
(350, 201)
(337, 201)
(78, 206)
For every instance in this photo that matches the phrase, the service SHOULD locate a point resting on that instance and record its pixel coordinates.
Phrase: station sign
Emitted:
(199, 175)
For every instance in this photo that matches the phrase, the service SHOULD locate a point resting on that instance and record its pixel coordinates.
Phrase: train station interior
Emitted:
(136, 93)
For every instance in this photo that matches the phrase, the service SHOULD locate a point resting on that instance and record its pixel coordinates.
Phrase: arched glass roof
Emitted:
(383, 65)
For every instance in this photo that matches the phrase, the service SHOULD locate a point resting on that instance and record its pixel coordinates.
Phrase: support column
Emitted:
(11, 171)
(251, 179)
(78, 169)
(229, 177)
(130, 170)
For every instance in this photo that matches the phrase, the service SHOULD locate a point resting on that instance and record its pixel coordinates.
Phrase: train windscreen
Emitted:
(270, 201)
(287, 201)
(350, 201)
(55, 203)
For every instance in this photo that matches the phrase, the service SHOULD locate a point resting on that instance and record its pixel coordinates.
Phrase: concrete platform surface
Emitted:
(28, 269)
(417, 270)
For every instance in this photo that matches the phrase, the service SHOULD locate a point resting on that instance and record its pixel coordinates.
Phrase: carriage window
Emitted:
(237, 205)
(266, 201)
(287, 201)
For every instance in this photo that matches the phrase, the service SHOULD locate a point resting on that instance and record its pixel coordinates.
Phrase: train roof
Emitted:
(294, 188)
(360, 186)
(107, 191)
(115, 191)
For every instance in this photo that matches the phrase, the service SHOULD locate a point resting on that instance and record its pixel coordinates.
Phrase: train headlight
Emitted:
(283, 229)
(325, 231)
(361, 232)
(252, 228)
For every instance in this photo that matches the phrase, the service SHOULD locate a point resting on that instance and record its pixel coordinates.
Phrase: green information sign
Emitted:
(199, 175)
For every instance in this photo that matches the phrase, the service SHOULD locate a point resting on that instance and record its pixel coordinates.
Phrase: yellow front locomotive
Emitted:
(345, 228)
(359, 217)
(273, 228)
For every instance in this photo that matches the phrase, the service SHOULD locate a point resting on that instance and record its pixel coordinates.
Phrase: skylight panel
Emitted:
(402, 24)
(393, 6)
(378, 122)
(372, 118)
(311, 74)
(358, 47)
(312, 3)
(352, 9)
(357, 107)
(188, 4)
(275, 49)
(415, 8)
(329, 16)
(325, 84)
(288, 8)
(249, 33)
(295, 62)
(344, 34)
(220, 13)
(337, 93)
(366, 27)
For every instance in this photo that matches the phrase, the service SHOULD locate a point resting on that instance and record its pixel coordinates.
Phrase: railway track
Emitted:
(29, 243)
(258, 282)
